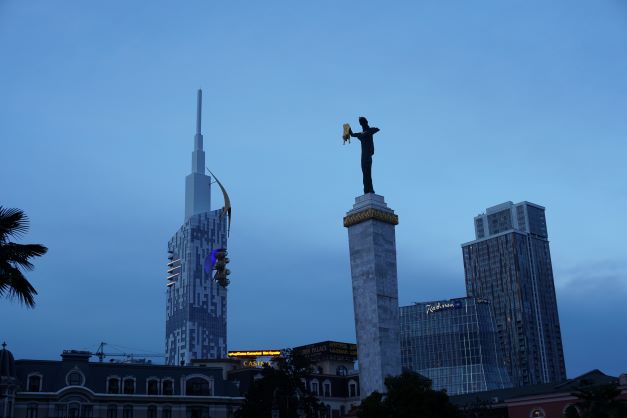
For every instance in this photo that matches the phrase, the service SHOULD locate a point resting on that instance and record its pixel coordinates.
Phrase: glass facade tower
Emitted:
(453, 343)
(195, 326)
(509, 264)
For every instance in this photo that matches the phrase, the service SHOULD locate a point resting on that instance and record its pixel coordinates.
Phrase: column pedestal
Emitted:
(372, 245)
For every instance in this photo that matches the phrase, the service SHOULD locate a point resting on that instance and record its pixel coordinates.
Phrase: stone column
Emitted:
(372, 245)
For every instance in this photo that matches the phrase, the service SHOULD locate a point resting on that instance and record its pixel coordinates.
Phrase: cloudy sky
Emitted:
(478, 103)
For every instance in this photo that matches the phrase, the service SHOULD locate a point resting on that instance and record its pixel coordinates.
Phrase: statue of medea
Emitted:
(367, 149)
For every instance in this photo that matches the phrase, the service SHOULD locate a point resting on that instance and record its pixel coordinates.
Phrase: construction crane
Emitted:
(129, 356)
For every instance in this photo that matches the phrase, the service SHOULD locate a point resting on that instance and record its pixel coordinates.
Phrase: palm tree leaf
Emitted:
(13, 222)
(19, 254)
(14, 285)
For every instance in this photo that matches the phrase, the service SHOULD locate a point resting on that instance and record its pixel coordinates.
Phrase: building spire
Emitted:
(198, 112)
(198, 156)
(197, 183)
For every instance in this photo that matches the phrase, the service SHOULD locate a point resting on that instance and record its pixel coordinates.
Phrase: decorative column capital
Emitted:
(370, 213)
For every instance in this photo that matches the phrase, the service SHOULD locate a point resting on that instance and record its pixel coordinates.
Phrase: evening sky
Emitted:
(478, 103)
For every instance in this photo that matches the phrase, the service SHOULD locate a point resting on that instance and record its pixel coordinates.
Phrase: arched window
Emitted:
(341, 371)
(34, 382)
(537, 413)
(352, 388)
(326, 388)
(113, 385)
(129, 385)
(167, 387)
(152, 387)
(74, 378)
(571, 411)
(198, 386)
(112, 411)
(166, 412)
(314, 387)
(152, 412)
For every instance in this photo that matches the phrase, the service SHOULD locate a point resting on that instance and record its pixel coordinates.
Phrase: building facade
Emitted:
(77, 388)
(453, 343)
(196, 310)
(334, 381)
(546, 400)
(509, 264)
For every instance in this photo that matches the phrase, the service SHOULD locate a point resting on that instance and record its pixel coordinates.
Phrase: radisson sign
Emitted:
(439, 306)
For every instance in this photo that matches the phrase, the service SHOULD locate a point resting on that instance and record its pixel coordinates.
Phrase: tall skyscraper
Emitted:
(453, 343)
(196, 304)
(509, 264)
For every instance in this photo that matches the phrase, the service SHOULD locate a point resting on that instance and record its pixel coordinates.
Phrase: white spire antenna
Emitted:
(198, 156)
(199, 112)
(197, 183)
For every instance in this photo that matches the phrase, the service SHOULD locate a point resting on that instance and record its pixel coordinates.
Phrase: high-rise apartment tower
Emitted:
(509, 264)
(196, 304)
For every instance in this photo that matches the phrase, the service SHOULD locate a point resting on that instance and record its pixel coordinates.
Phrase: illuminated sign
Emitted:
(439, 306)
(255, 353)
(328, 350)
(255, 363)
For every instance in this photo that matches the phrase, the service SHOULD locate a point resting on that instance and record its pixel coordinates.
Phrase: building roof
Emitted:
(592, 378)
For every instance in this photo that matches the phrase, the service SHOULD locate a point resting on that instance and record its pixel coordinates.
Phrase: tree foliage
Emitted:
(14, 258)
(600, 402)
(281, 389)
(408, 396)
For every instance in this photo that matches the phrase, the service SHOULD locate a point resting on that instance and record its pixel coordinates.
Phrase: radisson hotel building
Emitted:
(453, 343)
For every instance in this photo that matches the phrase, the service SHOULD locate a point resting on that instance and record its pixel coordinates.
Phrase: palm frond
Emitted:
(19, 254)
(14, 285)
(13, 222)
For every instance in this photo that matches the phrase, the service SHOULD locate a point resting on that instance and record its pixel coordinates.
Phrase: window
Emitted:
(60, 410)
(74, 378)
(197, 412)
(571, 411)
(197, 386)
(326, 388)
(152, 387)
(352, 389)
(129, 386)
(113, 385)
(88, 411)
(152, 412)
(31, 410)
(34, 383)
(314, 387)
(73, 410)
(127, 411)
(168, 387)
(166, 412)
(537, 413)
(112, 411)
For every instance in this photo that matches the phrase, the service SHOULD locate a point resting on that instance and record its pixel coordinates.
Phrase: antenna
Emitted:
(198, 112)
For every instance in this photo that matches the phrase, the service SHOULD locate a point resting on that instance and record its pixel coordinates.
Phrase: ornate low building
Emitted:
(547, 400)
(77, 388)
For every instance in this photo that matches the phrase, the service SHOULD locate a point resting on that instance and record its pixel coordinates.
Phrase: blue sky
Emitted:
(478, 103)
